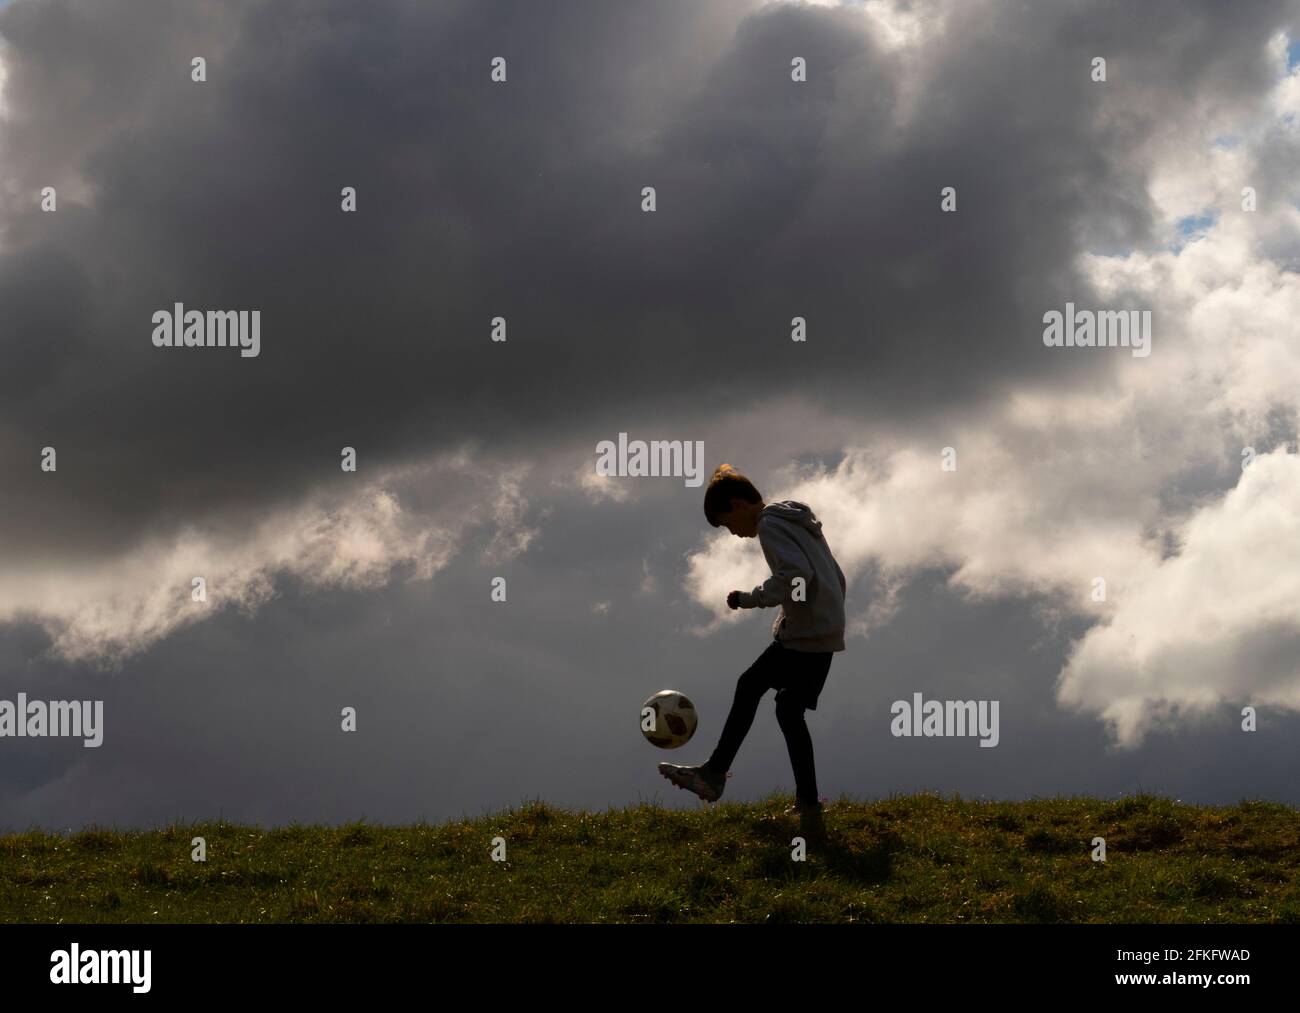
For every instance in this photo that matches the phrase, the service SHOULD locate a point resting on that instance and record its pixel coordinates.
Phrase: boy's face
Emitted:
(742, 519)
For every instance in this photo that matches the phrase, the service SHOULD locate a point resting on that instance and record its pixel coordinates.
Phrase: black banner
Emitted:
(362, 961)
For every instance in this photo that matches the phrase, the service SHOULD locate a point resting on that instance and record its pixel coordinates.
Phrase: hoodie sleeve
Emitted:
(787, 561)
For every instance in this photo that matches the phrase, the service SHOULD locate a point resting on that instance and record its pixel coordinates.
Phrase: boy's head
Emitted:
(731, 501)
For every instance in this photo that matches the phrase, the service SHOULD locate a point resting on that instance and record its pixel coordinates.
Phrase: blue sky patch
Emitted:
(1192, 228)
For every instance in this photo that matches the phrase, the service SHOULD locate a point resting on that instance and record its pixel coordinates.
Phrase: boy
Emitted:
(808, 629)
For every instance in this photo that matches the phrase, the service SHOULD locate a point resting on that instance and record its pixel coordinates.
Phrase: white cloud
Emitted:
(512, 537)
(4, 77)
(601, 488)
(110, 610)
(1220, 622)
(1285, 99)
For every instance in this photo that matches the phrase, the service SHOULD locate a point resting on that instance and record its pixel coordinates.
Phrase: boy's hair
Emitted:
(725, 485)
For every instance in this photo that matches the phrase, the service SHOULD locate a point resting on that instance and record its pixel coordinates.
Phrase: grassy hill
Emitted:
(918, 858)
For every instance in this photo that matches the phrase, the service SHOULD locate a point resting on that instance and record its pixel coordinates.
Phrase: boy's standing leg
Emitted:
(807, 673)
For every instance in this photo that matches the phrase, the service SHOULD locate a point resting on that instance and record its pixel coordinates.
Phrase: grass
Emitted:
(921, 858)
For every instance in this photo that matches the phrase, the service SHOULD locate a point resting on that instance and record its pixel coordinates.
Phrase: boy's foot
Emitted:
(810, 819)
(699, 779)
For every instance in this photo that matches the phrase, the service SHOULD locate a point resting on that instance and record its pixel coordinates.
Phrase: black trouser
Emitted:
(798, 678)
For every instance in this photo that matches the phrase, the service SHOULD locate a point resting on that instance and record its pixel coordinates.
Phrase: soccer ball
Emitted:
(668, 720)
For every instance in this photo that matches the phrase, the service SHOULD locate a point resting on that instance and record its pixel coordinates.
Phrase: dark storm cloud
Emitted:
(522, 200)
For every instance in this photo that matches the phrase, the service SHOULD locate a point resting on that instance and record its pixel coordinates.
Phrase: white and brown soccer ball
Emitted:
(668, 720)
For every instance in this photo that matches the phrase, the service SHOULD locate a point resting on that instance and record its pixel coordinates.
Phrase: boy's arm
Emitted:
(788, 562)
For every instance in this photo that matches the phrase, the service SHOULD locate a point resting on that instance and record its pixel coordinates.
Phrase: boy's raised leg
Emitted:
(750, 687)
(708, 779)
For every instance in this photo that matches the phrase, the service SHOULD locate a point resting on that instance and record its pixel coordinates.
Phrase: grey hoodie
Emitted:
(792, 541)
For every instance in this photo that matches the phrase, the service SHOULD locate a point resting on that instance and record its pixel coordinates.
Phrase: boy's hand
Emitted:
(733, 600)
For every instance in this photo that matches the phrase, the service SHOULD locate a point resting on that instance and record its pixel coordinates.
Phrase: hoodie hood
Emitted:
(796, 513)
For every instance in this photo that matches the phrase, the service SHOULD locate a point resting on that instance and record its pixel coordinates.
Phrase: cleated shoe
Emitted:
(700, 780)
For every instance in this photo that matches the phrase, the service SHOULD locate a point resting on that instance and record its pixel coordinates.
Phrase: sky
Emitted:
(1174, 477)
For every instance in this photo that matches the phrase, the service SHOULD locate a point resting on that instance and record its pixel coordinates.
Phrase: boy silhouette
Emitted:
(808, 587)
